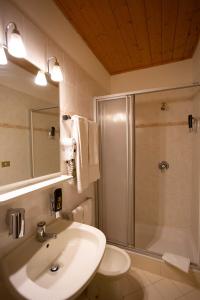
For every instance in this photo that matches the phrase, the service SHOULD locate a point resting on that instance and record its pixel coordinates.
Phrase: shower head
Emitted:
(164, 106)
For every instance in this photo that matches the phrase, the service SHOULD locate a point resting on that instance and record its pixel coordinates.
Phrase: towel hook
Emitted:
(66, 117)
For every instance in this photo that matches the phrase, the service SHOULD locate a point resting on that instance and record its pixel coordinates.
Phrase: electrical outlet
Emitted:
(5, 164)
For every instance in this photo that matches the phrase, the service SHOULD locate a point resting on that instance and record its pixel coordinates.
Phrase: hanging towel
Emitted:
(93, 151)
(178, 261)
(80, 134)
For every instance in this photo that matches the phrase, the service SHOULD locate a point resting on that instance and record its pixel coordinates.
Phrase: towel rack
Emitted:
(68, 117)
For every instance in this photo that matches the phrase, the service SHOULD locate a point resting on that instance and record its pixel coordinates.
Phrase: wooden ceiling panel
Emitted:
(127, 35)
(138, 18)
(169, 21)
(123, 20)
(184, 22)
(154, 25)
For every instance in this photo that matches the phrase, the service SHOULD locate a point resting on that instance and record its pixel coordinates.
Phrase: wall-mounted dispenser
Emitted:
(56, 202)
(193, 123)
(15, 220)
(52, 132)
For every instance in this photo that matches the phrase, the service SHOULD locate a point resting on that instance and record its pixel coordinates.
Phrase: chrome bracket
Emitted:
(163, 165)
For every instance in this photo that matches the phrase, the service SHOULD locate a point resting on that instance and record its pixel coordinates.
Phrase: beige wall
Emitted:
(195, 200)
(196, 206)
(76, 94)
(173, 74)
(196, 64)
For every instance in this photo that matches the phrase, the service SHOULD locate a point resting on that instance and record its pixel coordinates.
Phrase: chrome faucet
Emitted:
(15, 220)
(42, 235)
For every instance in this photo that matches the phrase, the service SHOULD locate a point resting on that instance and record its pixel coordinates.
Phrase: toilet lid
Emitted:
(115, 262)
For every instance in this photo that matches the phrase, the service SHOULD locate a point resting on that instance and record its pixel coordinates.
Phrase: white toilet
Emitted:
(116, 262)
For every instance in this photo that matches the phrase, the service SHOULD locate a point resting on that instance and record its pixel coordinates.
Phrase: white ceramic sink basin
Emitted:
(77, 251)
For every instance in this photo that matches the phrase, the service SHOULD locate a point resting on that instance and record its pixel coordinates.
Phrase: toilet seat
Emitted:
(115, 262)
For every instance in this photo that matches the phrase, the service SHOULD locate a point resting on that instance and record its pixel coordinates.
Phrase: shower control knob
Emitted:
(163, 165)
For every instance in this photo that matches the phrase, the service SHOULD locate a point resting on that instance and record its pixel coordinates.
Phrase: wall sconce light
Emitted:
(40, 78)
(3, 58)
(14, 42)
(55, 72)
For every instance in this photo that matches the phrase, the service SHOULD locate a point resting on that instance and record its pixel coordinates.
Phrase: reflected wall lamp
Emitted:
(40, 78)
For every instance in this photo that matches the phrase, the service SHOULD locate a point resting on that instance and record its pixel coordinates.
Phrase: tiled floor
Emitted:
(140, 285)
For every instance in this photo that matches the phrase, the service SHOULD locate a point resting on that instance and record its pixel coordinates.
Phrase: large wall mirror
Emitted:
(29, 124)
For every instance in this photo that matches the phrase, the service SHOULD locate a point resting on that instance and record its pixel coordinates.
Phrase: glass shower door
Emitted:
(115, 188)
(167, 199)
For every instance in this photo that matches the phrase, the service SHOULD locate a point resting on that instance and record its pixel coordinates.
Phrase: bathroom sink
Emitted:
(57, 269)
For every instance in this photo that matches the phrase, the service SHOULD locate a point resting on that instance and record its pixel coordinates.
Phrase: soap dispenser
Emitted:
(56, 202)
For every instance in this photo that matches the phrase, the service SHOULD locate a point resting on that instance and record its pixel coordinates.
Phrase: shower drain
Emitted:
(54, 268)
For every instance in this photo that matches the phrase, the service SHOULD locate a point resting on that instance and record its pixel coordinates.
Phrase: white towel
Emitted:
(93, 151)
(80, 134)
(178, 261)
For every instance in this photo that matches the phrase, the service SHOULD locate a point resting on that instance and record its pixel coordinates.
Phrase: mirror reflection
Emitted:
(29, 125)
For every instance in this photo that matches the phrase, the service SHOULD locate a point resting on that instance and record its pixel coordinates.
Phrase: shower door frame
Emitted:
(127, 95)
(32, 158)
(130, 136)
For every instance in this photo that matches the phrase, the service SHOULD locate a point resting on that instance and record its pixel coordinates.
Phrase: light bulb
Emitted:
(40, 79)
(15, 45)
(56, 73)
(3, 58)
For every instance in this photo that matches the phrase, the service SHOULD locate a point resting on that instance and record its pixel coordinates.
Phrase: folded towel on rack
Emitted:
(93, 151)
(80, 134)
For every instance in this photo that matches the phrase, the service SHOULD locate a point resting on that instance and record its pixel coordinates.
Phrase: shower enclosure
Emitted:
(149, 191)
